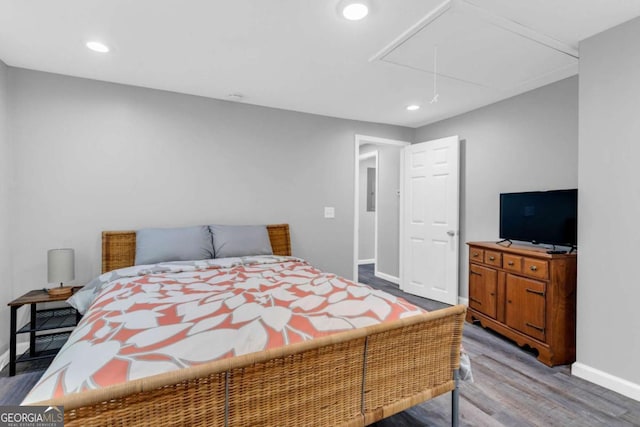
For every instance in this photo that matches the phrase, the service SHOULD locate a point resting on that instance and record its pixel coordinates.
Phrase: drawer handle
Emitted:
(534, 327)
(475, 254)
(533, 291)
(534, 268)
(510, 263)
(492, 258)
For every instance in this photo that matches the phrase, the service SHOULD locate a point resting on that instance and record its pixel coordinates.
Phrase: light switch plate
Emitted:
(329, 212)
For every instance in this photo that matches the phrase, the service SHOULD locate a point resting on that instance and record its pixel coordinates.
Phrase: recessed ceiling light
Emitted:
(355, 10)
(413, 107)
(98, 47)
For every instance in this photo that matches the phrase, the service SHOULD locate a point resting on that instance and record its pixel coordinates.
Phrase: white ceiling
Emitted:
(301, 55)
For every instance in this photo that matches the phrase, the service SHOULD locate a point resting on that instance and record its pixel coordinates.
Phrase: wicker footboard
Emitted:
(349, 379)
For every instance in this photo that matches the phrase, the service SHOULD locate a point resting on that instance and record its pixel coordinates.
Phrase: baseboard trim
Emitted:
(366, 261)
(21, 347)
(463, 301)
(387, 277)
(611, 382)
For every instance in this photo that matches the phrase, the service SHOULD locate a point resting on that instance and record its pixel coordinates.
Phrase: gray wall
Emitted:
(366, 234)
(609, 202)
(528, 142)
(5, 179)
(92, 156)
(388, 207)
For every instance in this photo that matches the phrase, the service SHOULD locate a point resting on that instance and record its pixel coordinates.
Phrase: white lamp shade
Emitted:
(60, 265)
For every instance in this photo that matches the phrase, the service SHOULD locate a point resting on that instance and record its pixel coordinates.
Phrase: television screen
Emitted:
(540, 217)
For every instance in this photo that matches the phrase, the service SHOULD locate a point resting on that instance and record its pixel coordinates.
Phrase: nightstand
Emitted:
(60, 321)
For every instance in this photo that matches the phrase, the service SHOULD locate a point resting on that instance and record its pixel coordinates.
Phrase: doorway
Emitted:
(368, 189)
(377, 216)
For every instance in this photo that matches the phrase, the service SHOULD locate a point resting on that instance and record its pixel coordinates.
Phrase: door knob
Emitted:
(451, 233)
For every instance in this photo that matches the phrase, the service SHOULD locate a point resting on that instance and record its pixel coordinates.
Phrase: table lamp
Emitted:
(60, 269)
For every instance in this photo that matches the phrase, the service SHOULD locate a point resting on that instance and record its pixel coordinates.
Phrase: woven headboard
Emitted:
(119, 247)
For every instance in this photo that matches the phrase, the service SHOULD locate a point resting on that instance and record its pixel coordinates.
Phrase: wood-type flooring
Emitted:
(511, 388)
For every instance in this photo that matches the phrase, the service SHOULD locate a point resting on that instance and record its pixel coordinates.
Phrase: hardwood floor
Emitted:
(511, 387)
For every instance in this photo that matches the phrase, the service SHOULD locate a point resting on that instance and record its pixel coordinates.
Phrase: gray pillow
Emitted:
(154, 245)
(240, 240)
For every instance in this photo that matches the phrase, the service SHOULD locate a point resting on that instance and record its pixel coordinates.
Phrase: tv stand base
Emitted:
(527, 295)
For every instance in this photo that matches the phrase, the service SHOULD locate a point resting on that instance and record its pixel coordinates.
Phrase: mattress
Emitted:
(146, 320)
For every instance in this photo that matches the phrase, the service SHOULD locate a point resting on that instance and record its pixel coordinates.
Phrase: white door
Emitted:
(429, 237)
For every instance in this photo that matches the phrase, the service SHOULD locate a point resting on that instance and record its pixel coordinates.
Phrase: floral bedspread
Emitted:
(147, 320)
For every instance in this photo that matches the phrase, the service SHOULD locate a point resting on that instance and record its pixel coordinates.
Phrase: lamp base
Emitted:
(60, 291)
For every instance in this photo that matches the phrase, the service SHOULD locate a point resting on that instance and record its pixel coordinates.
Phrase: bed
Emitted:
(350, 378)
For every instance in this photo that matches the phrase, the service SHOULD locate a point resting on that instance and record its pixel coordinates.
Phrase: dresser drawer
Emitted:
(535, 268)
(476, 255)
(493, 258)
(512, 263)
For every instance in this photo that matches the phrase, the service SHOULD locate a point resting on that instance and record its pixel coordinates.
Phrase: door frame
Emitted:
(358, 141)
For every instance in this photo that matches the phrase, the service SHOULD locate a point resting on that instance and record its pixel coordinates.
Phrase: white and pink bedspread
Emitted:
(148, 320)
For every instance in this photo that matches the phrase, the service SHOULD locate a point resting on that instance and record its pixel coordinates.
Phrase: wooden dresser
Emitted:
(526, 295)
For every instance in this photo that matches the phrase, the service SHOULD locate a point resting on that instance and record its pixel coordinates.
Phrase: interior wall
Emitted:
(5, 202)
(525, 143)
(92, 156)
(366, 233)
(609, 200)
(388, 262)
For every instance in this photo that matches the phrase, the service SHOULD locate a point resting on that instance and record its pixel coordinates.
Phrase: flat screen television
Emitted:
(540, 217)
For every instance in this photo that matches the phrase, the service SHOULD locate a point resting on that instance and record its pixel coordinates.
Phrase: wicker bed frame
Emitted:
(352, 378)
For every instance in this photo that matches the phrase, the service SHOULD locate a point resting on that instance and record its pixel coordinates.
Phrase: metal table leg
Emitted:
(32, 334)
(12, 342)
